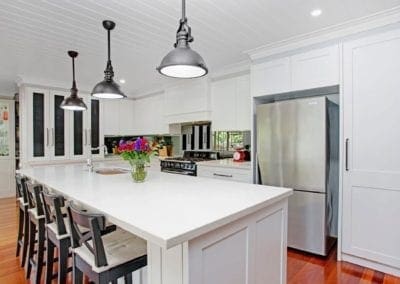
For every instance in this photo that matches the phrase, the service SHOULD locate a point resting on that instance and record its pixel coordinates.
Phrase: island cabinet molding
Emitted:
(198, 230)
(371, 155)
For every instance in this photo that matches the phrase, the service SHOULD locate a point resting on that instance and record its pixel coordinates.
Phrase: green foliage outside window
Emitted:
(227, 140)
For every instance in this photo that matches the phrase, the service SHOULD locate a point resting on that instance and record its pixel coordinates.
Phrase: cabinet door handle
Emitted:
(47, 137)
(85, 137)
(89, 137)
(53, 136)
(221, 175)
(346, 161)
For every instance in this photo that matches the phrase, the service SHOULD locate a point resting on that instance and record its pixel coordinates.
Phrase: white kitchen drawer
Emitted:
(240, 175)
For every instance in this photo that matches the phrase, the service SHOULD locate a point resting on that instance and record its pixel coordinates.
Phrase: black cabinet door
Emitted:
(95, 126)
(38, 124)
(58, 135)
(78, 133)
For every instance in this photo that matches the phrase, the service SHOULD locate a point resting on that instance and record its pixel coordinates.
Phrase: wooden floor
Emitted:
(302, 268)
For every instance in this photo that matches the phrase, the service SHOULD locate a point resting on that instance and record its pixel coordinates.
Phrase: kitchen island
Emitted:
(198, 230)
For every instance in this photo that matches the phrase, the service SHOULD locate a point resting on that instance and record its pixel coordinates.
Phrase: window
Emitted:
(228, 140)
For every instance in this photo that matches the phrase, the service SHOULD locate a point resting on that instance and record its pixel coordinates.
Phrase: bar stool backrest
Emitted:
(95, 224)
(53, 204)
(34, 199)
(21, 187)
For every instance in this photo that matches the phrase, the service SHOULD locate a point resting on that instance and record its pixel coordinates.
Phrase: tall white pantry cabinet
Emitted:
(50, 134)
(371, 168)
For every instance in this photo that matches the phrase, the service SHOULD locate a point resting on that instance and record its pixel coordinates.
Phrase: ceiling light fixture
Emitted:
(122, 81)
(316, 12)
(73, 102)
(108, 89)
(182, 61)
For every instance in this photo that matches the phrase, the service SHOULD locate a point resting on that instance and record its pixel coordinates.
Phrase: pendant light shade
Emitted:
(73, 102)
(183, 62)
(108, 89)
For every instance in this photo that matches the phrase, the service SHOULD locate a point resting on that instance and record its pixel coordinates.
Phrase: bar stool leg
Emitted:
(20, 230)
(49, 261)
(128, 278)
(40, 251)
(77, 274)
(31, 250)
(63, 261)
(25, 239)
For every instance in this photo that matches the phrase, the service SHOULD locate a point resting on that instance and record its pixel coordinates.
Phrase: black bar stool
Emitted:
(23, 218)
(36, 225)
(57, 235)
(103, 259)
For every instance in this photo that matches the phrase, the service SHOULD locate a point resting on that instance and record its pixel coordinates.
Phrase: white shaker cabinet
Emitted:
(79, 129)
(371, 170)
(307, 70)
(50, 134)
(230, 104)
(46, 124)
(188, 101)
(316, 68)
(111, 117)
(127, 125)
(237, 173)
(243, 103)
(223, 104)
(149, 115)
(270, 77)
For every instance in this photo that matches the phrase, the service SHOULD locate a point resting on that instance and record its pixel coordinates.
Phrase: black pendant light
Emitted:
(108, 89)
(73, 102)
(183, 62)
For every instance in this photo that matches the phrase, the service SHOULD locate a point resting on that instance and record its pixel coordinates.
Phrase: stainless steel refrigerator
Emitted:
(298, 147)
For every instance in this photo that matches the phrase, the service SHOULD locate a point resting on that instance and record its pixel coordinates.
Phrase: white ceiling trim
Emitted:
(377, 20)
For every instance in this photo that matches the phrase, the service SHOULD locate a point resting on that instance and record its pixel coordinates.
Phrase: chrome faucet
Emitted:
(89, 164)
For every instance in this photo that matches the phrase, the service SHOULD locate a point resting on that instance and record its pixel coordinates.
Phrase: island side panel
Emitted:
(167, 266)
(252, 250)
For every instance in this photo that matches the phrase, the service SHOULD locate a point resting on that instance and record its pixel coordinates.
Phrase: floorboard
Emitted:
(303, 268)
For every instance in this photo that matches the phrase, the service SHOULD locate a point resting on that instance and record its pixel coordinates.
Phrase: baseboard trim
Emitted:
(371, 264)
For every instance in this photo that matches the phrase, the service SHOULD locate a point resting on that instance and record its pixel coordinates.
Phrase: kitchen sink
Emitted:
(111, 171)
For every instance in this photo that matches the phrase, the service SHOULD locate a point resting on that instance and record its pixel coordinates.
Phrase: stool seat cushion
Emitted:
(21, 200)
(53, 227)
(120, 247)
(34, 214)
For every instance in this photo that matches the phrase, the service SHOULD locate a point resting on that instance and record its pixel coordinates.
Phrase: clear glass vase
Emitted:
(139, 172)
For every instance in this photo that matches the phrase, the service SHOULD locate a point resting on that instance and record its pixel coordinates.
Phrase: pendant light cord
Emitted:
(109, 44)
(183, 10)
(74, 90)
(109, 72)
(73, 70)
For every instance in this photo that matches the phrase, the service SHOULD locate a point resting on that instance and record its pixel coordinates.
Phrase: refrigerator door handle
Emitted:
(347, 155)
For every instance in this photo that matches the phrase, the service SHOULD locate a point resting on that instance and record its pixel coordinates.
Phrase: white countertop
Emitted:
(226, 163)
(167, 209)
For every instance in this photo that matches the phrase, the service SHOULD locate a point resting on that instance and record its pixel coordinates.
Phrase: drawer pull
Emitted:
(221, 175)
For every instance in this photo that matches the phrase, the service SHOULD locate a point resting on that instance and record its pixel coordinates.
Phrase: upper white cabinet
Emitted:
(371, 168)
(126, 114)
(119, 117)
(230, 104)
(270, 77)
(149, 115)
(312, 69)
(111, 117)
(188, 101)
(316, 68)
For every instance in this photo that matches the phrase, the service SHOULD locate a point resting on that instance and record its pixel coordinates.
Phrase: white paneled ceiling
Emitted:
(35, 35)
